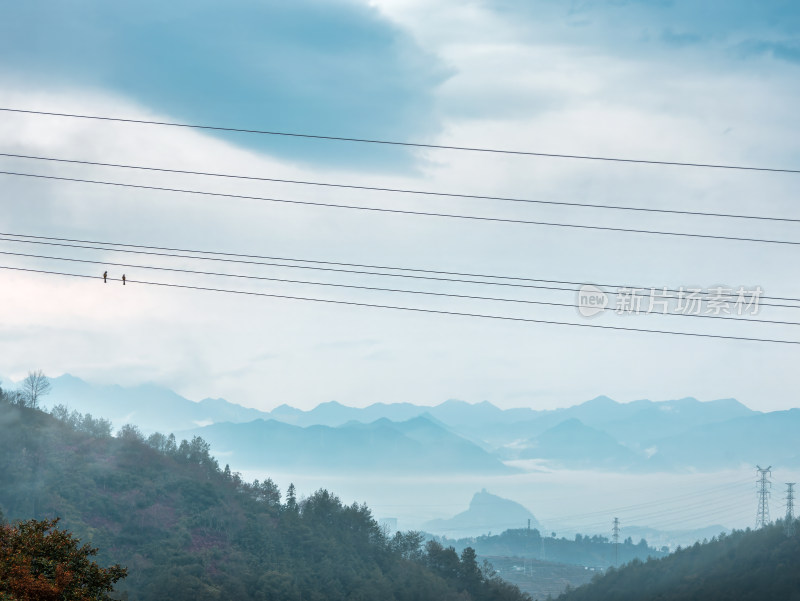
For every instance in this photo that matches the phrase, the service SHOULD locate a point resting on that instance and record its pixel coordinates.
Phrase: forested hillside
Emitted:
(761, 565)
(594, 551)
(187, 529)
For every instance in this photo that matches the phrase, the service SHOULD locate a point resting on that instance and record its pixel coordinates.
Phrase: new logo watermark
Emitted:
(685, 300)
(591, 300)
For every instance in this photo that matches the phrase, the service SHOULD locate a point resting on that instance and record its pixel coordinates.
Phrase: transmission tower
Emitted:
(764, 484)
(616, 541)
(790, 509)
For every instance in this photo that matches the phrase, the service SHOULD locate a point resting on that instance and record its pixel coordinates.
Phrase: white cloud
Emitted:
(508, 90)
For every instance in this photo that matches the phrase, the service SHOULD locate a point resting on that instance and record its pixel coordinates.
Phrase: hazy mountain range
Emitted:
(684, 434)
(414, 446)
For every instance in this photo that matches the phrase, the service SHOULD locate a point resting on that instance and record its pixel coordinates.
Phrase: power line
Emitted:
(706, 507)
(269, 264)
(651, 510)
(678, 518)
(703, 494)
(732, 516)
(651, 507)
(633, 513)
(724, 483)
(404, 144)
(225, 257)
(399, 190)
(678, 514)
(725, 514)
(674, 516)
(404, 211)
(716, 507)
(372, 288)
(414, 309)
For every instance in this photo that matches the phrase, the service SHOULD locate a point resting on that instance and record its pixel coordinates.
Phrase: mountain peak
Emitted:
(573, 423)
(432, 419)
(213, 402)
(425, 419)
(731, 404)
(486, 512)
(331, 404)
(68, 377)
(600, 401)
(284, 408)
(687, 400)
(453, 403)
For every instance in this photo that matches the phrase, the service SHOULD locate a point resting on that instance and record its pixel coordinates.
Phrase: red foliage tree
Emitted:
(40, 563)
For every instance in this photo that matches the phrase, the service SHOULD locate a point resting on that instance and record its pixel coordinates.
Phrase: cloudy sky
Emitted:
(712, 82)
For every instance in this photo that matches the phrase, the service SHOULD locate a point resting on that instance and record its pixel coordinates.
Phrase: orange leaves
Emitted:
(40, 563)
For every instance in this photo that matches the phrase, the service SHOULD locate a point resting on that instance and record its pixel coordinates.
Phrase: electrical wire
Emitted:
(674, 515)
(681, 513)
(373, 288)
(403, 144)
(405, 211)
(414, 309)
(400, 190)
(85, 244)
(651, 504)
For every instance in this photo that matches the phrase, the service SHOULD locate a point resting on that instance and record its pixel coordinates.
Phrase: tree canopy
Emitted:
(39, 562)
(743, 566)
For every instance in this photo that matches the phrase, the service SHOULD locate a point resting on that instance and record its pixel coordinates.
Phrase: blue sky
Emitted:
(702, 82)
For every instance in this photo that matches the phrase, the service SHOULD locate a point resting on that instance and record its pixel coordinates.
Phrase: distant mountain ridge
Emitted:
(151, 407)
(455, 413)
(414, 446)
(572, 444)
(598, 434)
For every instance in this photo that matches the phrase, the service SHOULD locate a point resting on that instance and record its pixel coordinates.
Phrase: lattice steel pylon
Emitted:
(616, 541)
(764, 484)
(790, 509)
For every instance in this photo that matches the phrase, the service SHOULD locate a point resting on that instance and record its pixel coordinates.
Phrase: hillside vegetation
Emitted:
(187, 529)
(761, 565)
(594, 551)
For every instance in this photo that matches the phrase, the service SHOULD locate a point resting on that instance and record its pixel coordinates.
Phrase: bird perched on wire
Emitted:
(123, 279)
(105, 277)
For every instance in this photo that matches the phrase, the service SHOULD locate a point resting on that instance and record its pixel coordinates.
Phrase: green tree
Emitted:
(291, 500)
(470, 573)
(442, 561)
(408, 545)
